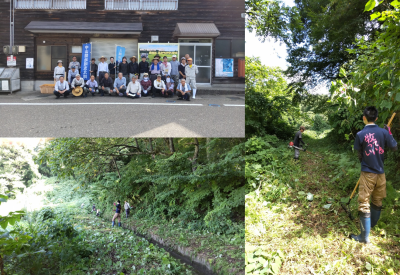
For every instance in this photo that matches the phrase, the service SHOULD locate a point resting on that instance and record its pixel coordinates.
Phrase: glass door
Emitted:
(201, 54)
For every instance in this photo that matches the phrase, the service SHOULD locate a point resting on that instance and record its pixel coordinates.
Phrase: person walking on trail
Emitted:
(117, 214)
(127, 208)
(93, 208)
(370, 144)
(297, 140)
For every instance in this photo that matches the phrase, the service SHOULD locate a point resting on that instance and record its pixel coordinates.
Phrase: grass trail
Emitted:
(312, 239)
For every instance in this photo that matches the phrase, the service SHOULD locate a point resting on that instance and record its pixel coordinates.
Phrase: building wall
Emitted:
(225, 14)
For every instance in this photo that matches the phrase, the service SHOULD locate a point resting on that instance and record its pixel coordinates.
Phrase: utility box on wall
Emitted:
(10, 80)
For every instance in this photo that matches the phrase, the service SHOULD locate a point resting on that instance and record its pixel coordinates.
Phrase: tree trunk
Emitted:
(151, 148)
(2, 266)
(196, 154)
(115, 163)
(208, 149)
(171, 145)
(137, 144)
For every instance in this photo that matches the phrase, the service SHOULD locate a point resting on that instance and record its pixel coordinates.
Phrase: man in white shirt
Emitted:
(165, 67)
(134, 90)
(191, 71)
(102, 68)
(61, 88)
(183, 90)
(159, 85)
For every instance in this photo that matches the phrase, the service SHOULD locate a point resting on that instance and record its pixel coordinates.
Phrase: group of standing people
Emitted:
(133, 80)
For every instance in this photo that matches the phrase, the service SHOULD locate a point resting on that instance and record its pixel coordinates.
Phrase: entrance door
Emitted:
(201, 54)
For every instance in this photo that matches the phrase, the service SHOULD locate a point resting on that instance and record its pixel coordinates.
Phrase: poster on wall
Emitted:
(11, 60)
(162, 49)
(87, 52)
(224, 67)
(120, 52)
(29, 63)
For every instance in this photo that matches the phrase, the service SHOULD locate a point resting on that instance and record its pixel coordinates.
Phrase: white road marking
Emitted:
(234, 105)
(99, 103)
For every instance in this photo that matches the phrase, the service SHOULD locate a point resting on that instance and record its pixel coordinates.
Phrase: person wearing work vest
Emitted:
(117, 214)
(191, 71)
(127, 208)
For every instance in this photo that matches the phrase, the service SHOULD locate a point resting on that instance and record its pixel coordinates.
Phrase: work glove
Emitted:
(388, 129)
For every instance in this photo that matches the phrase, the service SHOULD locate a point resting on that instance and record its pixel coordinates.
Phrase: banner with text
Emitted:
(162, 49)
(120, 53)
(86, 55)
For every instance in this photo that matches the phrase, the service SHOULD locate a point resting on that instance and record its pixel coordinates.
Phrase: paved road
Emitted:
(36, 115)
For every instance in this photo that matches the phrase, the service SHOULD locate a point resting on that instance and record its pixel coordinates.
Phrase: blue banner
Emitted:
(86, 55)
(120, 53)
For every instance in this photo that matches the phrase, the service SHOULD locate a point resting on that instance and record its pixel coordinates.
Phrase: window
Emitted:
(195, 40)
(47, 57)
(229, 48)
(141, 4)
(50, 4)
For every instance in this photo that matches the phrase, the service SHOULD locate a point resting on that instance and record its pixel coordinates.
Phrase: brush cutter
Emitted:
(345, 206)
(291, 145)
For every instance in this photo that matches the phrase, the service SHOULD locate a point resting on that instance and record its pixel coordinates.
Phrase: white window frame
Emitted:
(50, 5)
(132, 5)
(194, 57)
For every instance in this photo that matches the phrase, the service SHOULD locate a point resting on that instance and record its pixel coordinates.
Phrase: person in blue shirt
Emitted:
(117, 214)
(370, 143)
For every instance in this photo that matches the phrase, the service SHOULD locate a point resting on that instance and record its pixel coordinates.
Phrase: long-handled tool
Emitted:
(345, 206)
(291, 145)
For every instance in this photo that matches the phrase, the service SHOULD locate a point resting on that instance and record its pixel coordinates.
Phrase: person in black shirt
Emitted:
(181, 68)
(124, 68)
(112, 67)
(117, 214)
(297, 140)
(133, 67)
(144, 67)
(93, 68)
(106, 85)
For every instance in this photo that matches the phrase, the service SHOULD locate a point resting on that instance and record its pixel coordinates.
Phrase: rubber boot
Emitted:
(375, 214)
(194, 94)
(365, 227)
(113, 224)
(119, 224)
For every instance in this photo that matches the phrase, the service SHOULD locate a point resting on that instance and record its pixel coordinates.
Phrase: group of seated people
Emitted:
(136, 88)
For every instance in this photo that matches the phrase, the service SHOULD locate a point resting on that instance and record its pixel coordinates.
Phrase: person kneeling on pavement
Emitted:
(159, 85)
(106, 85)
(370, 144)
(183, 90)
(134, 89)
(146, 84)
(91, 86)
(120, 85)
(170, 86)
(77, 82)
(61, 88)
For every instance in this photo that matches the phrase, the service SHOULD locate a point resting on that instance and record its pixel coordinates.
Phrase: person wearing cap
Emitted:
(102, 68)
(134, 90)
(155, 70)
(175, 70)
(183, 90)
(120, 85)
(61, 88)
(74, 63)
(91, 86)
(157, 56)
(165, 67)
(71, 74)
(170, 86)
(112, 68)
(133, 67)
(59, 70)
(124, 68)
(93, 67)
(181, 68)
(144, 67)
(159, 85)
(106, 85)
(146, 84)
(78, 81)
(191, 71)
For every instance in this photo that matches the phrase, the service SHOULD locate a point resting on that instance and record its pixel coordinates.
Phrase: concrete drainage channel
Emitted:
(200, 265)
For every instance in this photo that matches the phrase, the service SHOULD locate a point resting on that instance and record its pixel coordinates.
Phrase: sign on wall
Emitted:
(224, 67)
(162, 49)
(85, 66)
(29, 63)
(120, 53)
(11, 60)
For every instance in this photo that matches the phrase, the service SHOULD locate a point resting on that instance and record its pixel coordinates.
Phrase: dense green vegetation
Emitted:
(190, 192)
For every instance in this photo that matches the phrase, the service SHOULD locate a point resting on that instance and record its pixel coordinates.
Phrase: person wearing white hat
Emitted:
(191, 71)
(102, 68)
(175, 70)
(59, 70)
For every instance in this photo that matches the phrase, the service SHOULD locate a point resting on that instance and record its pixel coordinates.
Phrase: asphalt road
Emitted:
(37, 115)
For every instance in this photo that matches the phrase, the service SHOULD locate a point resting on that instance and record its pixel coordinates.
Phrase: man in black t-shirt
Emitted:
(117, 214)
(370, 144)
(297, 140)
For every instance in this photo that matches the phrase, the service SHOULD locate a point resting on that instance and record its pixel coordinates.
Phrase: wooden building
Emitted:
(55, 29)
